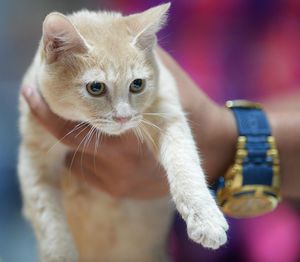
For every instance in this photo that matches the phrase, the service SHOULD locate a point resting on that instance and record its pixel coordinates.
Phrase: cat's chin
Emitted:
(115, 130)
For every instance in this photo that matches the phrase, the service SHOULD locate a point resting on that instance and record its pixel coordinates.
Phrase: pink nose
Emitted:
(121, 119)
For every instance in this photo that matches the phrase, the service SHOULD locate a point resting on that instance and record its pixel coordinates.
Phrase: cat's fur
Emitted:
(71, 220)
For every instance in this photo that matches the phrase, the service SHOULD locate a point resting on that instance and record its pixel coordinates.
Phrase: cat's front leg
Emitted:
(178, 154)
(43, 208)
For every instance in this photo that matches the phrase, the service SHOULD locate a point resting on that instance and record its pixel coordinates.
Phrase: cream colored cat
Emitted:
(102, 68)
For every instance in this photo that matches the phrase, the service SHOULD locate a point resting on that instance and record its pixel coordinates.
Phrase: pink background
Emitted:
(232, 49)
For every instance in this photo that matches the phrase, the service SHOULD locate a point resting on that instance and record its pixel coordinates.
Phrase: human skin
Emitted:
(133, 171)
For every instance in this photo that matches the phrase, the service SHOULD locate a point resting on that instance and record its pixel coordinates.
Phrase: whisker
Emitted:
(193, 122)
(72, 160)
(151, 124)
(98, 137)
(157, 114)
(140, 138)
(96, 145)
(149, 137)
(155, 126)
(87, 137)
(87, 125)
(70, 132)
(102, 120)
(140, 134)
(86, 142)
(166, 115)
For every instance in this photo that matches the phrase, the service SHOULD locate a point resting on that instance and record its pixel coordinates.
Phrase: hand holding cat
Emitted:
(117, 154)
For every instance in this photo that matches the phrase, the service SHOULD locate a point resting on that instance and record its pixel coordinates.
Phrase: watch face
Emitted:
(249, 206)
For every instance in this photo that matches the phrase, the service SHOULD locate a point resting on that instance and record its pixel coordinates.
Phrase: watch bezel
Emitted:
(234, 206)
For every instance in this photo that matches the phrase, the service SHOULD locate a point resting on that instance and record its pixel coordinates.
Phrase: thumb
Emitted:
(68, 132)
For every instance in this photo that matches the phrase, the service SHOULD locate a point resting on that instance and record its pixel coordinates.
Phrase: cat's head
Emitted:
(100, 67)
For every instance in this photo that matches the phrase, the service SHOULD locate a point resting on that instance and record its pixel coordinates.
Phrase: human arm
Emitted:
(284, 116)
(214, 130)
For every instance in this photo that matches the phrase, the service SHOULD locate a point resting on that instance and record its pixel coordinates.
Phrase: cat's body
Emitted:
(105, 229)
(71, 219)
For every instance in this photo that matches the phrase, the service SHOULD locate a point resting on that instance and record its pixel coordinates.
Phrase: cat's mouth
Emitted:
(116, 127)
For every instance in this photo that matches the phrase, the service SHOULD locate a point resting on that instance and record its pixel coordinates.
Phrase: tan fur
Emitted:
(71, 220)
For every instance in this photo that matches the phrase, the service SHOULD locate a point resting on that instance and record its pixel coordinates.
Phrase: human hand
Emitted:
(123, 167)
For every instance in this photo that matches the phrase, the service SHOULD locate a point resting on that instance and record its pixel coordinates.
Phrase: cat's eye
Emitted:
(137, 86)
(96, 88)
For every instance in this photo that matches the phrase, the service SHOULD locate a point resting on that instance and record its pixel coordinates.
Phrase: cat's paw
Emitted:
(59, 250)
(59, 256)
(208, 229)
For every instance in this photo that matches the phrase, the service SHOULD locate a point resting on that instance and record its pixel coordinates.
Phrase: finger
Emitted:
(40, 108)
(56, 125)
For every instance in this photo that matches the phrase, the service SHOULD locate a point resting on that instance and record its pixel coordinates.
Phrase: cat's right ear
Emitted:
(144, 26)
(60, 37)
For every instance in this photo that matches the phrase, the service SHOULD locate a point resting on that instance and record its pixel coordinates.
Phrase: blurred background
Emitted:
(232, 49)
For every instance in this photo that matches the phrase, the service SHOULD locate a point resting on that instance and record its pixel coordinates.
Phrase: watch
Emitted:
(250, 187)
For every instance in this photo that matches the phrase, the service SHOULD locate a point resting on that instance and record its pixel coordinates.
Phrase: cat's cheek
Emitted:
(142, 101)
(70, 112)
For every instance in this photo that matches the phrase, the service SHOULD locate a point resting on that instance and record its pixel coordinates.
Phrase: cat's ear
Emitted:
(145, 25)
(60, 37)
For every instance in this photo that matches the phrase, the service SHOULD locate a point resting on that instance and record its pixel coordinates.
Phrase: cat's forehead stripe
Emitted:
(93, 75)
(112, 74)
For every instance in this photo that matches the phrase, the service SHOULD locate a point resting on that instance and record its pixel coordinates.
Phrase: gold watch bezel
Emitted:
(243, 201)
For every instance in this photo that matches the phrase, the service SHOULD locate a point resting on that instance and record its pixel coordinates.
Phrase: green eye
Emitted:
(137, 86)
(96, 88)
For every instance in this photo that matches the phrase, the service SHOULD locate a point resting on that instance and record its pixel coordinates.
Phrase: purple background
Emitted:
(232, 49)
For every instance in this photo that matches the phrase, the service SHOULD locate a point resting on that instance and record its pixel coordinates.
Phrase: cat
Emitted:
(103, 68)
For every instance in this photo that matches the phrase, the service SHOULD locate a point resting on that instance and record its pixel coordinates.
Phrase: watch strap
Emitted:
(251, 121)
(253, 124)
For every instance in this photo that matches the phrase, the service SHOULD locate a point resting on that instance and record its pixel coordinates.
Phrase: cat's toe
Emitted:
(208, 231)
(63, 252)
(59, 257)
(208, 236)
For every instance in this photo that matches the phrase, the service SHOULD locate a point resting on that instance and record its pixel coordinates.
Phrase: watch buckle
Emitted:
(242, 104)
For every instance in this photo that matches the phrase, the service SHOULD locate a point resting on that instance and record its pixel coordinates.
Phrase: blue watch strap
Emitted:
(252, 123)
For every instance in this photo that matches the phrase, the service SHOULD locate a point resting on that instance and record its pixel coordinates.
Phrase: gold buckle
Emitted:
(273, 152)
(242, 103)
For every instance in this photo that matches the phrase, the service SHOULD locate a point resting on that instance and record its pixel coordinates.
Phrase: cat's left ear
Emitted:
(145, 25)
(60, 37)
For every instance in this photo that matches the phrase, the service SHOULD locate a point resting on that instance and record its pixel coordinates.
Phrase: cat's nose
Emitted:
(121, 119)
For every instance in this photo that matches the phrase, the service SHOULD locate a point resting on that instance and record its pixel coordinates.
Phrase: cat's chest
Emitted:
(110, 228)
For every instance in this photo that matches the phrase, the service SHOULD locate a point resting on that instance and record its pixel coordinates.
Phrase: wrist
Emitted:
(215, 133)
(224, 141)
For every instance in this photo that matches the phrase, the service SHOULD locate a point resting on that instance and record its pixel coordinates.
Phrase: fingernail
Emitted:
(27, 91)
